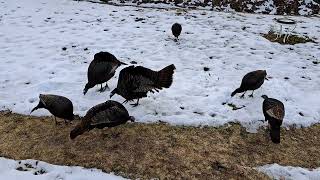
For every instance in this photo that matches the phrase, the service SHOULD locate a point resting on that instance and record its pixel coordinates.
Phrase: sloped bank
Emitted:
(277, 7)
(147, 151)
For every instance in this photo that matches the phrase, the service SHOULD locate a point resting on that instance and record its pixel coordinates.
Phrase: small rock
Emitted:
(85, 49)
(196, 112)
(133, 62)
(181, 107)
(206, 69)
(21, 169)
(315, 62)
(139, 19)
(301, 114)
(286, 78)
(64, 48)
(213, 114)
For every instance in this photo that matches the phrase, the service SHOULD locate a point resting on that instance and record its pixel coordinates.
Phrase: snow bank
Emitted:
(33, 34)
(38, 170)
(275, 171)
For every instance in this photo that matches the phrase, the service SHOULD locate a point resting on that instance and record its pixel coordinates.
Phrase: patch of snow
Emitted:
(38, 170)
(33, 34)
(278, 172)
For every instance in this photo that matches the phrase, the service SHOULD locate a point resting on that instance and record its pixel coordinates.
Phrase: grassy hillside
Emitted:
(158, 150)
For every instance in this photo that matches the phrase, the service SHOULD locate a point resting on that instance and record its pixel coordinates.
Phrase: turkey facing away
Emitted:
(274, 112)
(136, 82)
(251, 81)
(101, 70)
(58, 106)
(107, 114)
(176, 29)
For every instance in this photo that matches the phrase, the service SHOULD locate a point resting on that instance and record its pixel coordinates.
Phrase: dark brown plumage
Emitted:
(274, 112)
(58, 106)
(176, 29)
(136, 82)
(107, 114)
(101, 70)
(251, 81)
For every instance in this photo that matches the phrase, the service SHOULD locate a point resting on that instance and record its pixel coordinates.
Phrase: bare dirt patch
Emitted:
(147, 151)
(292, 40)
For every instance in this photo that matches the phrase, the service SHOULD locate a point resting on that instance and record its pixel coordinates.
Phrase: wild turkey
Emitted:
(136, 82)
(58, 106)
(107, 114)
(251, 81)
(274, 112)
(176, 29)
(101, 70)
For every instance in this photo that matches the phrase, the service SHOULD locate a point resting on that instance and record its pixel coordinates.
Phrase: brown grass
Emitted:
(292, 40)
(147, 151)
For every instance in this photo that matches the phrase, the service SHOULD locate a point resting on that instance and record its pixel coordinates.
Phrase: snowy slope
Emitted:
(33, 34)
(278, 172)
(38, 170)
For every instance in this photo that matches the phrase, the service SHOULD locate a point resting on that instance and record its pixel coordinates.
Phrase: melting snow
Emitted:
(278, 172)
(47, 45)
(38, 170)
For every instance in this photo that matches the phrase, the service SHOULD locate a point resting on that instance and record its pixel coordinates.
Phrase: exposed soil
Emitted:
(292, 39)
(147, 151)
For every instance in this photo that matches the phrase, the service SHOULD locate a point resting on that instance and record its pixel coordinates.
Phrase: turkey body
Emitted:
(107, 114)
(58, 106)
(274, 113)
(101, 70)
(251, 81)
(176, 29)
(136, 82)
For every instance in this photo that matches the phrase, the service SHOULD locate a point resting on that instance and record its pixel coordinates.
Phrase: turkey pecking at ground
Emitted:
(136, 82)
(251, 81)
(107, 114)
(58, 106)
(274, 112)
(101, 70)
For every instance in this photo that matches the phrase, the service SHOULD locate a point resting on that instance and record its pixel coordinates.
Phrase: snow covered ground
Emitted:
(38, 170)
(275, 171)
(33, 34)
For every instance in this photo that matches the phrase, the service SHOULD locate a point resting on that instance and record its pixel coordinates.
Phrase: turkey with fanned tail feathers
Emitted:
(107, 114)
(136, 82)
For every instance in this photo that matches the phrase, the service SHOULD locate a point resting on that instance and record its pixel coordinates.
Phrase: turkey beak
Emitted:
(122, 63)
(112, 93)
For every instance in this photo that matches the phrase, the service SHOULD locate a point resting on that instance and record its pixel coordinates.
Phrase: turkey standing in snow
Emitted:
(176, 29)
(274, 112)
(107, 114)
(136, 82)
(101, 69)
(58, 106)
(251, 81)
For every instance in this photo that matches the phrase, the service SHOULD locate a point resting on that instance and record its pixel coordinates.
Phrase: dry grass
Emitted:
(292, 40)
(157, 150)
